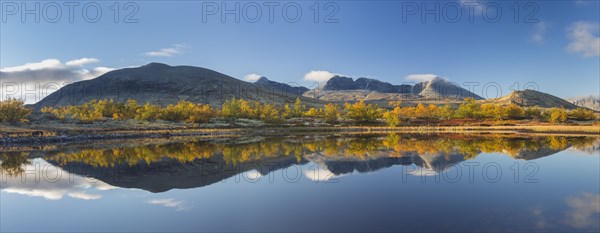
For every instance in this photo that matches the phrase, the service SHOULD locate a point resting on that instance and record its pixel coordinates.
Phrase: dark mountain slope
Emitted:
(282, 87)
(163, 84)
(339, 83)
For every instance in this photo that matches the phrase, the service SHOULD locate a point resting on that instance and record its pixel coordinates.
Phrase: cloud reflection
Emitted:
(170, 203)
(53, 183)
(584, 210)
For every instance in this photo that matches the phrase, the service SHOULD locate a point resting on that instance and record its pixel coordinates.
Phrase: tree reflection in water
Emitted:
(362, 147)
(233, 152)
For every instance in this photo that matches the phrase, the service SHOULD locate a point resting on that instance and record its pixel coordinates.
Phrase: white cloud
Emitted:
(422, 172)
(320, 76)
(420, 77)
(538, 32)
(253, 175)
(93, 73)
(52, 70)
(102, 69)
(170, 203)
(583, 40)
(82, 61)
(103, 186)
(45, 64)
(167, 52)
(47, 73)
(252, 77)
(322, 175)
(84, 196)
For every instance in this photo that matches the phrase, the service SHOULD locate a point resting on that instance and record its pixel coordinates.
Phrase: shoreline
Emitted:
(26, 136)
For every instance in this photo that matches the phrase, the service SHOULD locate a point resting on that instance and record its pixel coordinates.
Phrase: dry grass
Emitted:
(542, 129)
(25, 131)
(575, 129)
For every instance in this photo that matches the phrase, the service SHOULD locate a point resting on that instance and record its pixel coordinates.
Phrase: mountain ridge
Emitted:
(532, 98)
(162, 84)
(591, 102)
(435, 88)
(284, 87)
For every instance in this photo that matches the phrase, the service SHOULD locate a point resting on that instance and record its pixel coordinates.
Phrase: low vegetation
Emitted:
(12, 110)
(358, 112)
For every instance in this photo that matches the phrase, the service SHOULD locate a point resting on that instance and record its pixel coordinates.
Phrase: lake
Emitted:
(362, 182)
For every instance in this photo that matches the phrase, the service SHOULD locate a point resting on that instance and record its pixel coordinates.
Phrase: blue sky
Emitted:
(554, 44)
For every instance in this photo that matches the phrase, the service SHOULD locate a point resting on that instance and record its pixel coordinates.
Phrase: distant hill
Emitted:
(531, 98)
(591, 102)
(283, 87)
(338, 83)
(163, 84)
(346, 89)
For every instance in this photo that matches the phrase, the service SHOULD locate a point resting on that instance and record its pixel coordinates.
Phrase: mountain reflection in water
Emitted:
(196, 163)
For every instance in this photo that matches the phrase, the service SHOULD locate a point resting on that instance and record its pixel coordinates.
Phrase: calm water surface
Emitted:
(301, 183)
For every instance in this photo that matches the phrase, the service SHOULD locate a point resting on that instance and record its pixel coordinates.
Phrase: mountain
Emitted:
(338, 83)
(282, 87)
(167, 174)
(531, 98)
(163, 84)
(439, 88)
(341, 88)
(591, 102)
(381, 159)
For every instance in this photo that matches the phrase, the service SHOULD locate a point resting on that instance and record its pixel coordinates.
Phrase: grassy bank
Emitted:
(56, 132)
(529, 129)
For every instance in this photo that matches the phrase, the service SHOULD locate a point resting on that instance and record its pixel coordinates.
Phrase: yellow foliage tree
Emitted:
(231, 108)
(188, 112)
(513, 111)
(581, 114)
(491, 111)
(392, 118)
(421, 111)
(469, 109)
(269, 114)
(331, 113)
(298, 107)
(361, 112)
(147, 112)
(13, 110)
(313, 112)
(557, 115)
